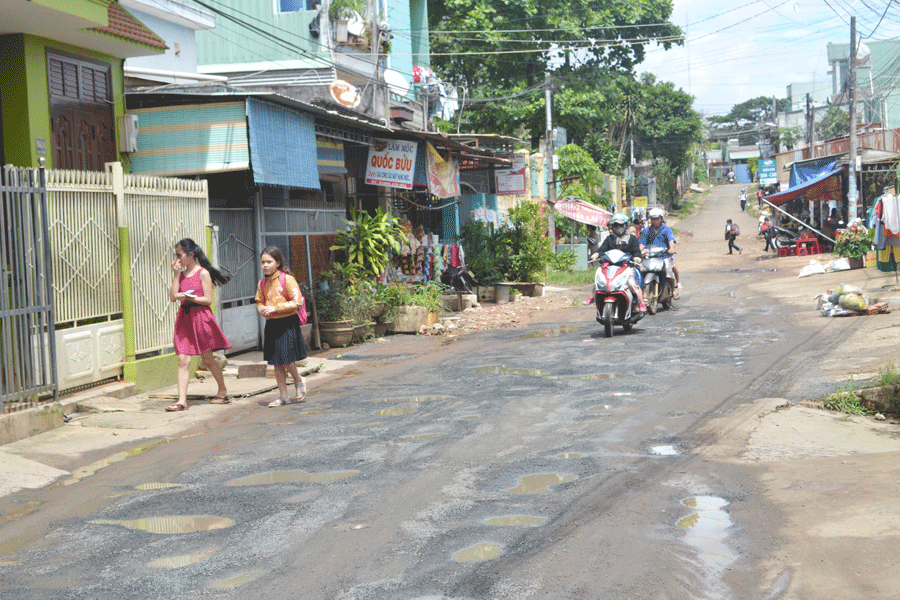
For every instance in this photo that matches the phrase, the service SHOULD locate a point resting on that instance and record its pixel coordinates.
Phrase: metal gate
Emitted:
(27, 343)
(238, 255)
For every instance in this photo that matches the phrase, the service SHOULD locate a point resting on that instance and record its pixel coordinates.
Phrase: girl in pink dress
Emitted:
(196, 329)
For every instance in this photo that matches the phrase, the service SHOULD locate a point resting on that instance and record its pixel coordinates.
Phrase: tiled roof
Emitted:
(123, 25)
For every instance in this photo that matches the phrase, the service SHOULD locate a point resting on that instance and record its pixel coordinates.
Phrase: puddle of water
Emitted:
(172, 524)
(368, 425)
(664, 450)
(182, 560)
(10, 563)
(291, 477)
(352, 526)
(504, 370)
(515, 521)
(706, 531)
(556, 331)
(588, 377)
(413, 399)
(540, 483)
(688, 323)
(478, 553)
(471, 417)
(599, 408)
(233, 582)
(424, 436)
(88, 470)
(568, 455)
(29, 507)
(689, 331)
(396, 411)
(156, 486)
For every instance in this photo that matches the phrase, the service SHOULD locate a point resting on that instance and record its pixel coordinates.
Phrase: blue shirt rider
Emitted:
(659, 234)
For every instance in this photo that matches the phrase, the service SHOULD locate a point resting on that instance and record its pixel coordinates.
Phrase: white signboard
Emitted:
(512, 181)
(391, 163)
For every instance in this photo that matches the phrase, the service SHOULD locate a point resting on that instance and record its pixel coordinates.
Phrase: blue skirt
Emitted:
(283, 342)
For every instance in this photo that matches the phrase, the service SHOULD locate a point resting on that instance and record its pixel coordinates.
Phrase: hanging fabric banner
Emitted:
(391, 163)
(583, 212)
(443, 175)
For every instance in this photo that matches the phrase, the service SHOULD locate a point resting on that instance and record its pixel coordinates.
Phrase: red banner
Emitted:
(583, 212)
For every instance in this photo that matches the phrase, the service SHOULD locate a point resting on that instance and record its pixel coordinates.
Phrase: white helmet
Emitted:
(656, 213)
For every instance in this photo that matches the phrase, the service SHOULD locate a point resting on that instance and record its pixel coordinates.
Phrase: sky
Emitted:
(744, 49)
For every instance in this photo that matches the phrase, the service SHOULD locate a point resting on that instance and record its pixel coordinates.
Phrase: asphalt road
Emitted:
(540, 462)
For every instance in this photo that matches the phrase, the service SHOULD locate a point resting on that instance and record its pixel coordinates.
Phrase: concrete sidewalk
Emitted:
(109, 416)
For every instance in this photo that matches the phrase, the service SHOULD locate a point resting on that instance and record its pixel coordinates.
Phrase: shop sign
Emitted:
(641, 202)
(768, 173)
(512, 181)
(391, 163)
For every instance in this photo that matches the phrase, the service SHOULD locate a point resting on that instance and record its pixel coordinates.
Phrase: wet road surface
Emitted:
(540, 462)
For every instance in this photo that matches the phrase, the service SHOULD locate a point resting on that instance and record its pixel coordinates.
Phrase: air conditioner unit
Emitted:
(128, 133)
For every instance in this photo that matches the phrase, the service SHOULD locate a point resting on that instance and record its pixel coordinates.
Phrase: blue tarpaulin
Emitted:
(817, 185)
(282, 145)
(808, 171)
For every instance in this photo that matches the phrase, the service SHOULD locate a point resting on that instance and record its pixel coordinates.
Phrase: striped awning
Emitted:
(330, 157)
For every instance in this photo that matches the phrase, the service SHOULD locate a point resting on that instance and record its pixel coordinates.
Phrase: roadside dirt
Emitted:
(830, 475)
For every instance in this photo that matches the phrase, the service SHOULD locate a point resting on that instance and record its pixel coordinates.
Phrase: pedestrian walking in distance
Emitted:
(743, 199)
(731, 233)
(766, 229)
(279, 301)
(196, 331)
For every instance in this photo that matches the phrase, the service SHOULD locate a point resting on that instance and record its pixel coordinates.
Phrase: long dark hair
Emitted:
(189, 246)
(275, 253)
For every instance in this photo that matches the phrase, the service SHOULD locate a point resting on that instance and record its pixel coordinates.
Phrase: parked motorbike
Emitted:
(657, 287)
(616, 302)
(782, 237)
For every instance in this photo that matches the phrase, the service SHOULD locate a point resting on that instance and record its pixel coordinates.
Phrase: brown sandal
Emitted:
(176, 407)
(220, 400)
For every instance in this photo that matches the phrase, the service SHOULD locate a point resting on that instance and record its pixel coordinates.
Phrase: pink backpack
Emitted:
(281, 279)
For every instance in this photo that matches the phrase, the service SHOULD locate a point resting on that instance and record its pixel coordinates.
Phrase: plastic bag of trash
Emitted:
(813, 268)
(839, 264)
(853, 302)
(847, 288)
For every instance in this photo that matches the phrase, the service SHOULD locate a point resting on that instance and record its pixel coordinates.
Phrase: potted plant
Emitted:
(853, 243)
(367, 240)
(334, 305)
(341, 12)
(361, 297)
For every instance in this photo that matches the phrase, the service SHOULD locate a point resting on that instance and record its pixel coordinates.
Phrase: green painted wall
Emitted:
(95, 10)
(230, 43)
(26, 103)
(14, 90)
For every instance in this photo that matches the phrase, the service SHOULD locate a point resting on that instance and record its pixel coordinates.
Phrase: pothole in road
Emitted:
(504, 370)
(477, 553)
(556, 331)
(396, 411)
(568, 455)
(171, 524)
(515, 521)
(540, 483)
(156, 485)
(292, 477)
(233, 582)
(182, 560)
(423, 436)
(706, 531)
(664, 450)
(413, 399)
(588, 377)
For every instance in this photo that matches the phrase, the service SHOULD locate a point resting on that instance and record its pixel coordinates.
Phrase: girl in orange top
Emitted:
(283, 343)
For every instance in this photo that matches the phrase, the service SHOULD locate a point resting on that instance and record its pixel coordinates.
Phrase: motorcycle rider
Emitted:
(620, 239)
(658, 234)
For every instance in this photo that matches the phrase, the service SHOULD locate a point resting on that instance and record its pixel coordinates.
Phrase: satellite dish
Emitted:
(396, 82)
(345, 93)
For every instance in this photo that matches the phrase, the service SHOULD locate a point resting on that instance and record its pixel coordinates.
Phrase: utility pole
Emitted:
(809, 126)
(852, 193)
(548, 157)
